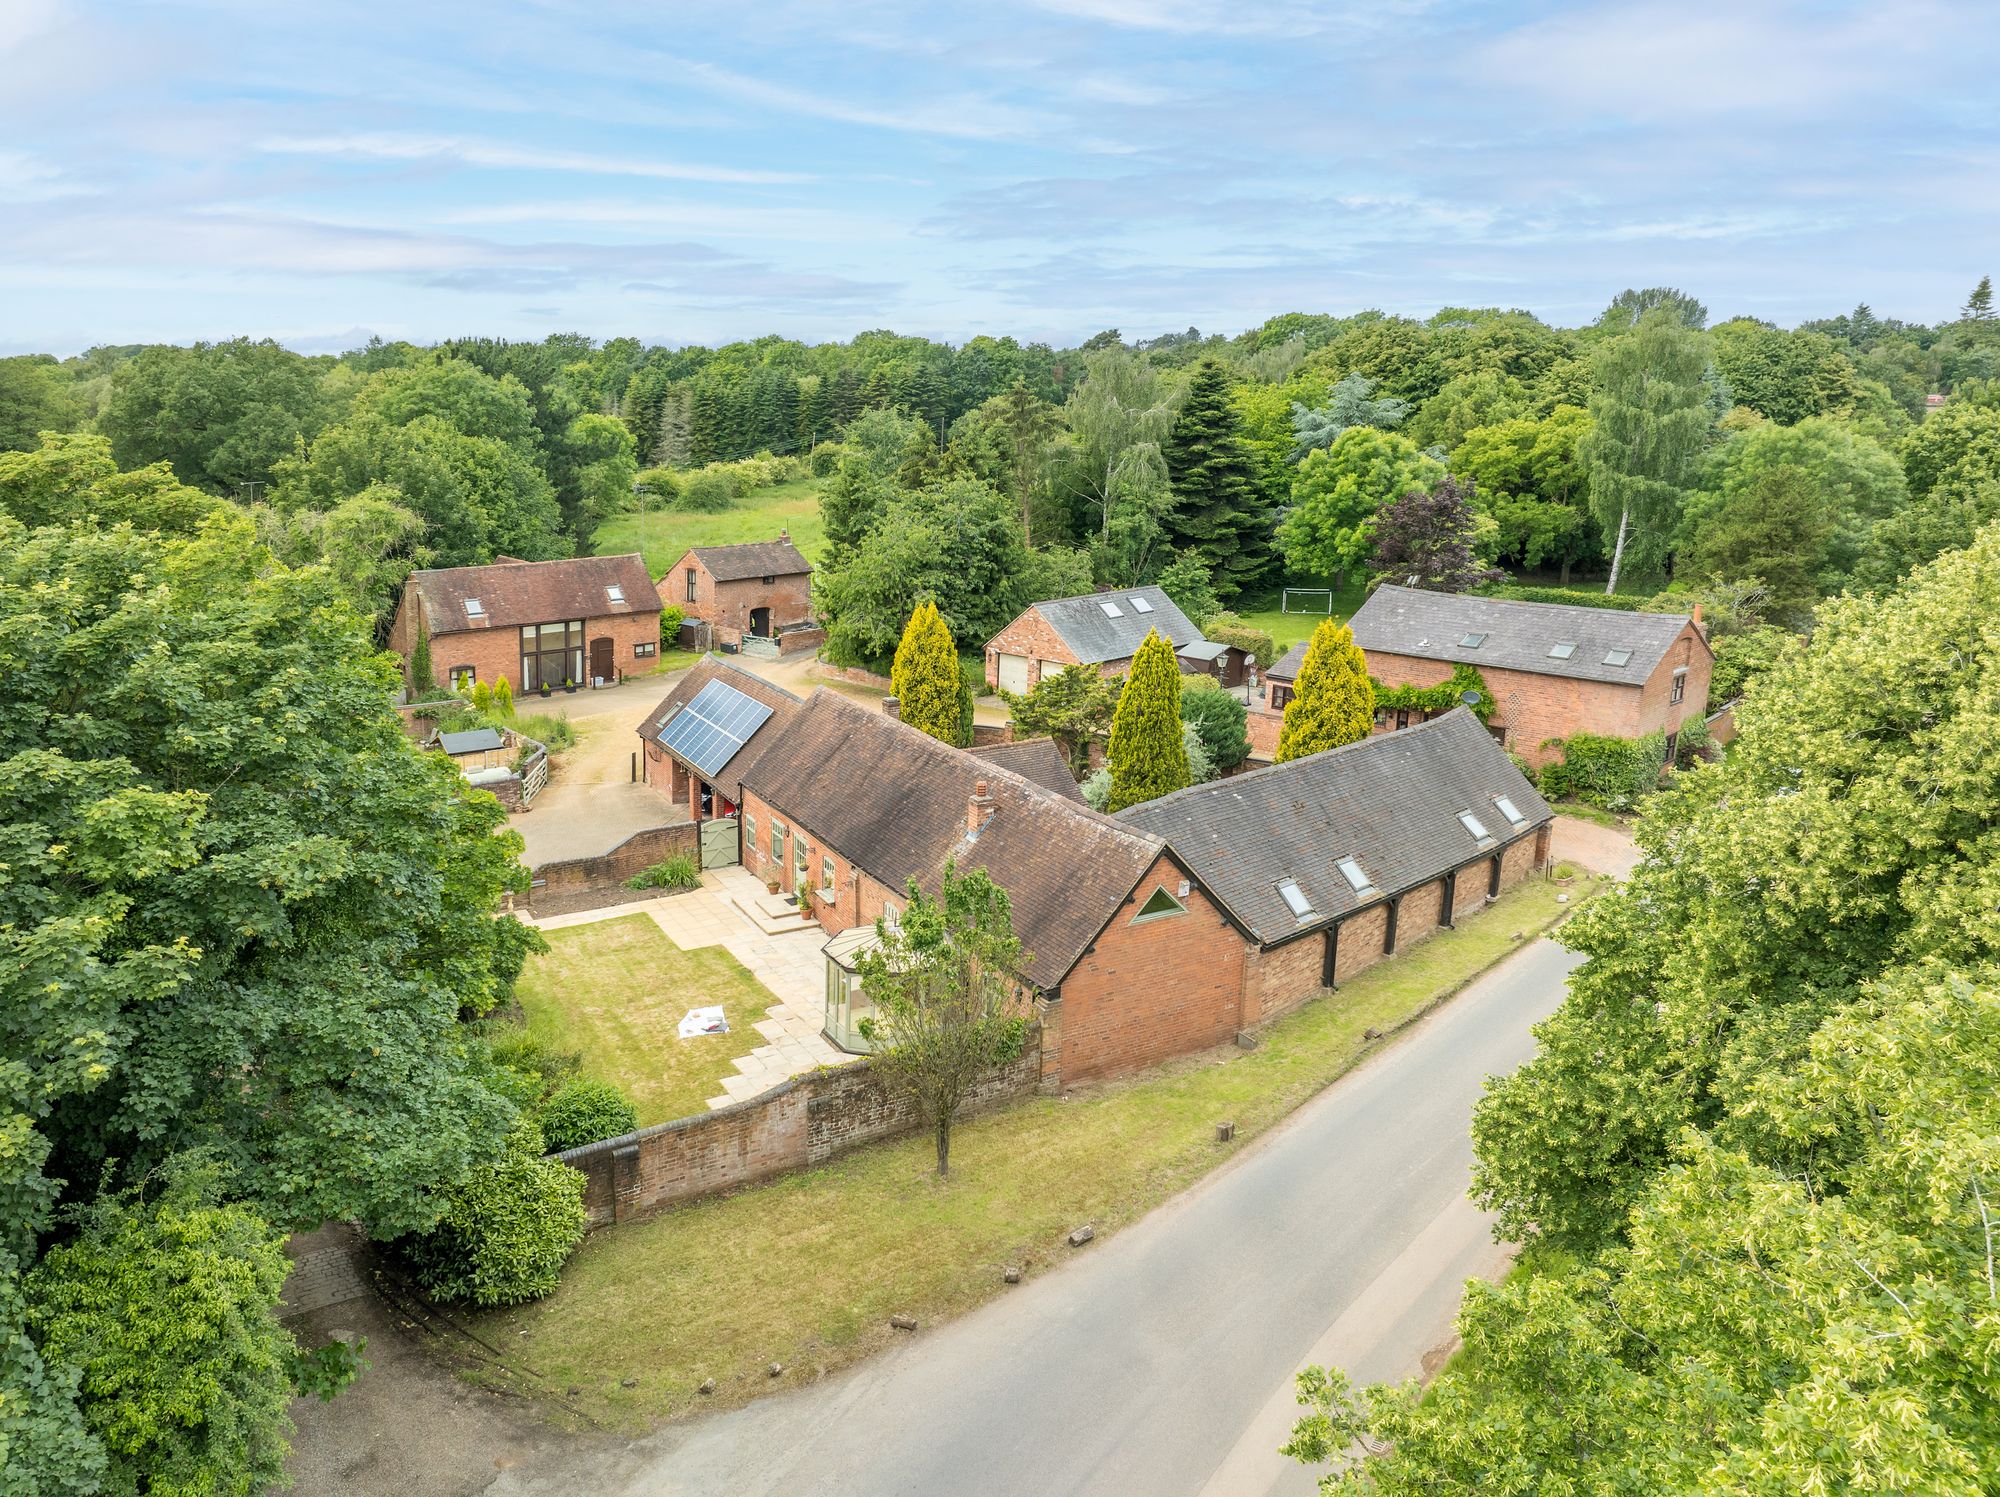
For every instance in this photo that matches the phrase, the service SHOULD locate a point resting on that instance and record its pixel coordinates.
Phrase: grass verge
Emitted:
(663, 536)
(806, 1270)
(615, 991)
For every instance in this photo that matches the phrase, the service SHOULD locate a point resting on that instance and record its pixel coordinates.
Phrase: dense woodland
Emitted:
(247, 939)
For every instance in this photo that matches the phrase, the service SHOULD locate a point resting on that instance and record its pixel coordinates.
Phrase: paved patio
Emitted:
(789, 965)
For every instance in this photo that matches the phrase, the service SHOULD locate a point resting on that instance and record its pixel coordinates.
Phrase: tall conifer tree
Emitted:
(926, 676)
(1148, 754)
(1220, 511)
(1333, 701)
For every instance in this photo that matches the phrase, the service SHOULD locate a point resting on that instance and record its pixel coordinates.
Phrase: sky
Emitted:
(686, 172)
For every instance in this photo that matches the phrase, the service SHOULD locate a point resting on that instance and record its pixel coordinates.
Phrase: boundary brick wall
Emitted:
(803, 1121)
(608, 870)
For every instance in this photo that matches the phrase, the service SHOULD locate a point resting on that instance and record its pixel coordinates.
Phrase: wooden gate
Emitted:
(719, 847)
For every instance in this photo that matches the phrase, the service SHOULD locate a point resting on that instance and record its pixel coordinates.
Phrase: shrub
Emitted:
(524, 1069)
(707, 491)
(1096, 788)
(680, 871)
(503, 697)
(1219, 720)
(507, 1231)
(482, 696)
(1609, 772)
(582, 1111)
(826, 458)
(1582, 597)
(670, 627)
(1228, 629)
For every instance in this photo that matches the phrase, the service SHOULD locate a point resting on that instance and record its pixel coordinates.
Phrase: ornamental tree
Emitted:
(1148, 758)
(1333, 701)
(1425, 538)
(948, 1005)
(1071, 706)
(1335, 494)
(1221, 512)
(926, 677)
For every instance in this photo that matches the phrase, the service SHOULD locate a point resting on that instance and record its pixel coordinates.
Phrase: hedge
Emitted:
(1579, 597)
(1609, 772)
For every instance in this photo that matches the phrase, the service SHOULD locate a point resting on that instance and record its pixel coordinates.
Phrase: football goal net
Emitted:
(1308, 600)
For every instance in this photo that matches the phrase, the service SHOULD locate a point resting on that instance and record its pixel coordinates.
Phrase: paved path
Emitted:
(1159, 1361)
(1601, 849)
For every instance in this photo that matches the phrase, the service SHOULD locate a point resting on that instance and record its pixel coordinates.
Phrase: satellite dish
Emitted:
(1469, 697)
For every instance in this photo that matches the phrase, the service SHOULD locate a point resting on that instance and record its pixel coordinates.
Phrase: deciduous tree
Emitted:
(1424, 539)
(1072, 706)
(1335, 494)
(1650, 420)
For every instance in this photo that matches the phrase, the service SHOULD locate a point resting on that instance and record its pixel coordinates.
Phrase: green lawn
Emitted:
(615, 991)
(1288, 629)
(806, 1270)
(664, 535)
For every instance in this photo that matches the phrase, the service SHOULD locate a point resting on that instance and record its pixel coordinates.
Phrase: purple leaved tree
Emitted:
(1424, 539)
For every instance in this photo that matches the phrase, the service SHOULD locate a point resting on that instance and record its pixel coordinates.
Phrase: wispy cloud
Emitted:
(463, 151)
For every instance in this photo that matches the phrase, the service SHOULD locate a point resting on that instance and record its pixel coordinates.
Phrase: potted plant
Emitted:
(570, 687)
(1563, 873)
(545, 688)
(770, 886)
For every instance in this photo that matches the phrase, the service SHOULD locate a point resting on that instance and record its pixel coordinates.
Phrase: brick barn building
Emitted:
(538, 623)
(757, 590)
(1554, 668)
(699, 772)
(1334, 861)
(1104, 630)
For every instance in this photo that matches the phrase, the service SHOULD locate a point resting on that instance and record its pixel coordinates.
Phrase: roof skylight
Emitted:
(1509, 810)
(614, 592)
(1295, 898)
(1472, 641)
(1355, 874)
(1562, 651)
(1140, 605)
(1617, 657)
(474, 608)
(1112, 610)
(1473, 825)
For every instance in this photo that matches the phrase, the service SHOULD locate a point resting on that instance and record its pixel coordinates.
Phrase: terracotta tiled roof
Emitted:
(1036, 759)
(714, 668)
(1613, 645)
(509, 594)
(1391, 803)
(779, 558)
(893, 800)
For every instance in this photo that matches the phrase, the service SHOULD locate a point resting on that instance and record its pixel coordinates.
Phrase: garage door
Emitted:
(1013, 672)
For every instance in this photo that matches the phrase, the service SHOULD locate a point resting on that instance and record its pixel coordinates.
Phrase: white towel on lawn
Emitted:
(704, 1021)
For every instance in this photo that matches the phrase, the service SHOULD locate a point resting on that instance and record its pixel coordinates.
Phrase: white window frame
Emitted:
(1562, 650)
(1111, 610)
(1139, 605)
(1351, 870)
(1506, 807)
(1679, 692)
(1474, 825)
(1295, 898)
(614, 592)
(475, 609)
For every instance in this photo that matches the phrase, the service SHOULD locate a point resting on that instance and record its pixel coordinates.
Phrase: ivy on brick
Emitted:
(1609, 772)
(1440, 698)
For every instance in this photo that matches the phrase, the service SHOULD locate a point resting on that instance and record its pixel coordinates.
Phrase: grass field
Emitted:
(1288, 629)
(615, 990)
(664, 535)
(806, 1270)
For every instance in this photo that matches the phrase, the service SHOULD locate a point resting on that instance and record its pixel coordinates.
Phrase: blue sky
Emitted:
(687, 172)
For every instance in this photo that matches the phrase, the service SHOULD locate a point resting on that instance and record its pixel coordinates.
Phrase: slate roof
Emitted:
(1094, 636)
(779, 558)
(471, 741)
(1286, 666)
(1037, 759)
(1519, 635)
(714, 668)
(513, 593)
(893, 800)
(1390, 802)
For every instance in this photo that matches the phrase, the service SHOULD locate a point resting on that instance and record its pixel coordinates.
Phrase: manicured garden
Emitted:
(614, 992)
(663, 534)
(806, 1270)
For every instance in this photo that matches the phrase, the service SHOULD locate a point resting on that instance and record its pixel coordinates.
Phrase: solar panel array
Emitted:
(708, 731)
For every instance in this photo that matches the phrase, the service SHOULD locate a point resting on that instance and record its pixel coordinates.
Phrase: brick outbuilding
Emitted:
(1554, 668)
(760, 590)
(1103, 630)
(537, 623)
(702, 778)
(1331, 862)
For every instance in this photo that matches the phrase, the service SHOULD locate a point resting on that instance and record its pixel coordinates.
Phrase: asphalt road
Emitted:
(1159, 1361)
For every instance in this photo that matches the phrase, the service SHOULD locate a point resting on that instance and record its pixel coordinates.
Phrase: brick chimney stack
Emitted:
(784, 534)
(978, 809)
(1697, 621)
(892, 708)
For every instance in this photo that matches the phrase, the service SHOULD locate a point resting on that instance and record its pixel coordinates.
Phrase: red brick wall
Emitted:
(1028, 635)
(1145, 992)
(1360, 941)
(800, 1122)
(726, 605)
(1534, 708)
(1279, 979)
(636, 853)
(496, 652)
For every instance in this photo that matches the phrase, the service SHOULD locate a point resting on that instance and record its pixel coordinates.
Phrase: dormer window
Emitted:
(1140, 605)
(615, 593)
(1112, 610)
(1295, 898)
(1617, 657)
(1356, 876)
(1561, 651)
(1472, 641)
(1509, 810)
(474, 609)
(1475, 826)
